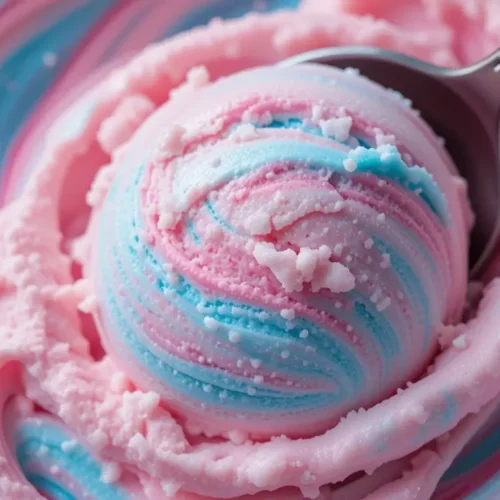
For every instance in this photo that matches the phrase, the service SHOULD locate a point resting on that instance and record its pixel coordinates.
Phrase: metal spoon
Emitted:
(462, 106)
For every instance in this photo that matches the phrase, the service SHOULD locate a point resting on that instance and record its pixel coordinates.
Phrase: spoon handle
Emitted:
(479, 85)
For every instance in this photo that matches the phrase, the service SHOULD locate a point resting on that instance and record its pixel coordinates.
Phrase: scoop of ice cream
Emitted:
(279, 248)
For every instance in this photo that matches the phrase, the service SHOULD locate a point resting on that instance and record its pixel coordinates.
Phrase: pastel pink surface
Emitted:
(225, 267)
(42, 329)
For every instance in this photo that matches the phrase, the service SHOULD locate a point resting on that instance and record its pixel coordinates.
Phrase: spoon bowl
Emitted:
(462, 106)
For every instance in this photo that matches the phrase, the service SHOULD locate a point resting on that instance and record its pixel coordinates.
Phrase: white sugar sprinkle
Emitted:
(110, 472)
(375, 295)
(211, 323)
(306, 477)
(339, 205)
(460, 342)
(317, 113)
(234, 337)
(69, 445)
(256, 363)
(386, 261)
(384, 304)
(287, 314)
(352, 71)
(350, 165)
(338, 128)
(50, 59)
(246, 132)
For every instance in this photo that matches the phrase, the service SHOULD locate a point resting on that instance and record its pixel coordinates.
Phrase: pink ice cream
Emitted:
(271, 275)
(223, 281)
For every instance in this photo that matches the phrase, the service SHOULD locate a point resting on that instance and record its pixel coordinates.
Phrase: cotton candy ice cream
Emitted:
(268, 260)
(262, 300)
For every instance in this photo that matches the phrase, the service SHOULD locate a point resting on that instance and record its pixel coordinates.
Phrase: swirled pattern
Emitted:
(272, 259)
(59, 466)
(271, 327)
(47, 47)
(474, 474)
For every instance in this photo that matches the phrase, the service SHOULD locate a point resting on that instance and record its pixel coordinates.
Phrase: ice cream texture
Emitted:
(265, 263)
(227, 278)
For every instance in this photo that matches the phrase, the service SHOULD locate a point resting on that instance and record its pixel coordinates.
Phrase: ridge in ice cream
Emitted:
(231, 279)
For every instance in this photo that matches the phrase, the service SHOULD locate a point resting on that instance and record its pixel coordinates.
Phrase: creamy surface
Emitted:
(248, 286)
(269, 259)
